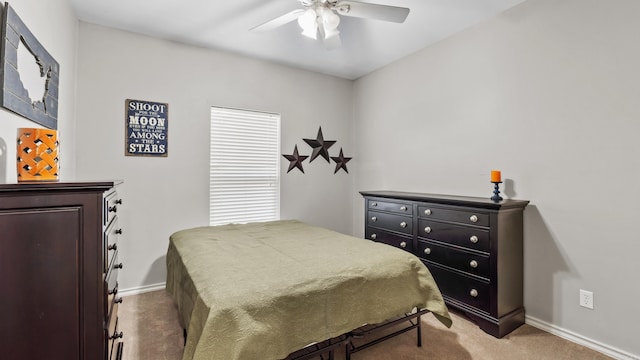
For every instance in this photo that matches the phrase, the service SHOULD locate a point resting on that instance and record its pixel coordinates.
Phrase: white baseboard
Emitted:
(141, 289)
(580, 340)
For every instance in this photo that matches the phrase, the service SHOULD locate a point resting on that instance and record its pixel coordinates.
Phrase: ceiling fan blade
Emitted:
(279, 21)
(372, 11)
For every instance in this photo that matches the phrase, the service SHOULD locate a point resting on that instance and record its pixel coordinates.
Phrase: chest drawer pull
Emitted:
(374, 204)
(473, 239)
(112, 247)
(473, 264)
(116, 336)
(118, 231)
(473, 218)
(117, 266)
(427, 229)
(118, 300)
(113, 209)
(373, 236)
(403, 244)
(119, 201)
(473, 293)
(427, 251)
(427, 211)
(403, 224)
(374, 219)
(403, 208)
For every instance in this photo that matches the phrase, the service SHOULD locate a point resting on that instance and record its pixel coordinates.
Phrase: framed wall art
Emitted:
(146, 126)
(29, 74)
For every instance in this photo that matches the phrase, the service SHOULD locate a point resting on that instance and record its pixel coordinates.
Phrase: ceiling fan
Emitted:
(320, 17)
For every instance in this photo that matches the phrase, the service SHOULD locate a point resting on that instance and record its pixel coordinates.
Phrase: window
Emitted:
(244, 180)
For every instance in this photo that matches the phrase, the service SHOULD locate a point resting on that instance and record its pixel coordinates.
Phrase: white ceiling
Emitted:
(224, 25)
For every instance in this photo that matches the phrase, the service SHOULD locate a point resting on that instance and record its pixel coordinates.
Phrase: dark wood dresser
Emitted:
(472, 246)
(58, 271)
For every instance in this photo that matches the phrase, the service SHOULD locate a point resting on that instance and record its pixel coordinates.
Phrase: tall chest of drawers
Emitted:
(59, 271)
(472, 247)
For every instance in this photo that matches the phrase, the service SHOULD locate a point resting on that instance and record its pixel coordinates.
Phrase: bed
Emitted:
(265, 290)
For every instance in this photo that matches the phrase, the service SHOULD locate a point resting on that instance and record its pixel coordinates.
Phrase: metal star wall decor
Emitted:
(320, 146)
(341, 162)
(295, 160)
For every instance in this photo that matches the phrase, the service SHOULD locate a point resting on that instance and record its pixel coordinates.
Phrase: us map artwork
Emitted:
(29, 74)
(146, 126)
(320, 147)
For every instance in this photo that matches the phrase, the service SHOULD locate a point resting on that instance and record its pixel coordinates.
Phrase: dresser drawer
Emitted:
(462, 260)
(111, 286)
(398, 241)
(465, 236)
(113, 316)
(466, 289)
(111, 237)
(395, 207)
(113, 337)
(460, 216)
(110, 205)
(392, 222)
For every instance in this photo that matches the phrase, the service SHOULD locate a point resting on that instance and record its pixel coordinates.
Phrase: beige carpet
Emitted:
(151, 332)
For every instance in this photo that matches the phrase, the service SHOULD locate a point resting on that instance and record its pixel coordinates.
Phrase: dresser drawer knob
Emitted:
(374, 204)
(373, 236)
(403, 208)
(374, 219)
(473, 239)
(117, 266)
(473, 264)
(427, 211)
(473, 293)
(113, 209)
(112, 247)
(473, 218)
(427, 251)
(116, 336)
(119, 201)
(118, 300)
(403, 224)
(403, 244)
(118, 231)
(113, 291)
(427, 229)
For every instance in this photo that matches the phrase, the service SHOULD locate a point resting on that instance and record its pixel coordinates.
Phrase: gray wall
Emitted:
(163, 195)
(548, 92)
(55, 26)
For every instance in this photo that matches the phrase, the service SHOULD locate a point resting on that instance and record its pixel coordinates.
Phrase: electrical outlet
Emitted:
(586, 299)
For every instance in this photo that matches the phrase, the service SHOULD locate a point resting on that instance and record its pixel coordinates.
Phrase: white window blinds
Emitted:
(244, 181)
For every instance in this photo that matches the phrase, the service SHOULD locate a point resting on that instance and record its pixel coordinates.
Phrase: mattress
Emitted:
(264, 290)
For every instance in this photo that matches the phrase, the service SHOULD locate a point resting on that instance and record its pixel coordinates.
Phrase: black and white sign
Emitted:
(146, 126)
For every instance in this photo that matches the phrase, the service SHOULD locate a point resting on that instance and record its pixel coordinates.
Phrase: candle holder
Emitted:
(496, 191)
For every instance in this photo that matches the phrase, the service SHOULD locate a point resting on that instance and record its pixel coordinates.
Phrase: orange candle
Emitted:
(495, 176)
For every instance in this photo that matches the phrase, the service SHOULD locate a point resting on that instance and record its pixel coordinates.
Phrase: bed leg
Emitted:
(419, 332)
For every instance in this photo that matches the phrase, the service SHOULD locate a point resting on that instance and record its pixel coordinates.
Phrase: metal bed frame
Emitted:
(346, 340)
(328, 347)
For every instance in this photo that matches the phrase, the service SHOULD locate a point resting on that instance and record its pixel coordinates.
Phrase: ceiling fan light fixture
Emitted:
(321, 18)
(328, 34)
(308, 21)
(330, 20)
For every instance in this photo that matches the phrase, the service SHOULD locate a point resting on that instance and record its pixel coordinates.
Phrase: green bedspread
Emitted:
(264, 290)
